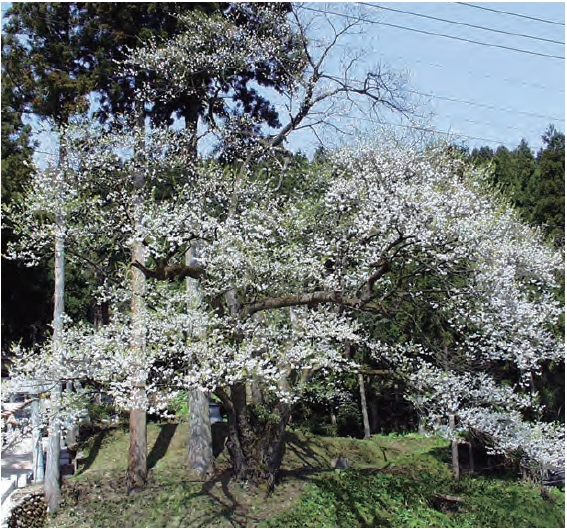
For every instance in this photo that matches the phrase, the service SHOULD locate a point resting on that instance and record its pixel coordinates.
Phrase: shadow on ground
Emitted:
(93, 451)
(161, 445)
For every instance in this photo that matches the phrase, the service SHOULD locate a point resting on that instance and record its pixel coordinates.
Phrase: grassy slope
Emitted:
(392, 484)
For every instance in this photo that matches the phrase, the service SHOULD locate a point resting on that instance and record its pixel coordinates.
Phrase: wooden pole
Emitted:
(364, 406)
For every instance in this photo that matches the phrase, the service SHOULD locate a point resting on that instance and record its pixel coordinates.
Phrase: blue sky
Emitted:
(503, 95)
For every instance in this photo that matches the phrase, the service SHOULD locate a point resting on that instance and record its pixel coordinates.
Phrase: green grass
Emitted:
(392, 482)
(405, 494)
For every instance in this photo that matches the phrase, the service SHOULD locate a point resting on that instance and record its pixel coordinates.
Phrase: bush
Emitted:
(349, 420)
(101, 412)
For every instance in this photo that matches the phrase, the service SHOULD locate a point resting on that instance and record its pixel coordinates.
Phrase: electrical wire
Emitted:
(432, 131)
(510, 13)
(515, 82)
(484, 28)
(452, 37)
(463, 101)
(484, 105)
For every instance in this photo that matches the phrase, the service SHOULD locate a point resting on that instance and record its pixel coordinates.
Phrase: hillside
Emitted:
(394, 481)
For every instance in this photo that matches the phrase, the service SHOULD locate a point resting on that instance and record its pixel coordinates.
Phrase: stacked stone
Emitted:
(30, 511)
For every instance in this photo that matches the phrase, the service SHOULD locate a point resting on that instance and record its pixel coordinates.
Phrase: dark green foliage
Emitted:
(549, 207)
(58, 53)
(26, 292)
(534, 184)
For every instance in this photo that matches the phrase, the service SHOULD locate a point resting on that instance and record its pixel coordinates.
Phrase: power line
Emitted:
(510, 13)
(433, 131)
(452, 37)
(484, 28)
(463, 101)
(484, 105)
(515, 82)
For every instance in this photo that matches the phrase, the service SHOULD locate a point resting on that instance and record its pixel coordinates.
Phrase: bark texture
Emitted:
(200, 457)
(256, 441)
(200, 453)
(138, 449)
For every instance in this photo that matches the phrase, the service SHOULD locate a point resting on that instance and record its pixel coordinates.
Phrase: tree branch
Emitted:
(171, 272)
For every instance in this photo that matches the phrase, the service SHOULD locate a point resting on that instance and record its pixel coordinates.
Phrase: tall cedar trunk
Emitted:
(200, 451)
(52, 485)
(364, 407)
(138, 450)
(256, 447)
(454, 448)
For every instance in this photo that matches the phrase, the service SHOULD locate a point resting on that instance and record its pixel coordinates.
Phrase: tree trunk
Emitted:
(256, 446)
(101, 316)
(454, 449)
(52, 476)
(364, 407)
(200, 457)
(200, 453)
(138, 450)
(471, 458)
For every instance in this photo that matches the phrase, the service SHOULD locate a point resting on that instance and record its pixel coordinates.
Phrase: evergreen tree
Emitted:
(25, 291)
(549, 208)
(535, 185)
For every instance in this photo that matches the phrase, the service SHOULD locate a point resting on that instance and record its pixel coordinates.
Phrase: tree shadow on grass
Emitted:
(166, 433)
(304, 453)
(94, 450)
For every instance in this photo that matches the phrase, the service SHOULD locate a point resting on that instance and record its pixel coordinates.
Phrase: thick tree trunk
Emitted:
(256, 446)
(364, 407)
(200, 457)
(200, 453)
(52, 485)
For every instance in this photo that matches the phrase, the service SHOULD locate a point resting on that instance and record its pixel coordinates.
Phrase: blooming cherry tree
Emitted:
(360, 233)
